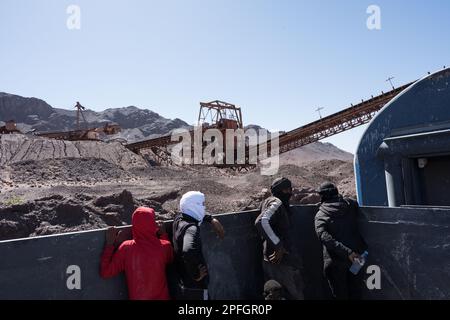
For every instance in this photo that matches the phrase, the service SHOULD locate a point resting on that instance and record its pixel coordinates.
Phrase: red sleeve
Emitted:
(112, 263)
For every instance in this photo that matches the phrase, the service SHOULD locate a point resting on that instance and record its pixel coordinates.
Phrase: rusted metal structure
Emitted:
(227, 116)
(216, 114)
(82, 134)
(9, 127)
(341, 121)
(163, 141)
(109, 129)
(80, 109)
(159, 148)
(221, 115)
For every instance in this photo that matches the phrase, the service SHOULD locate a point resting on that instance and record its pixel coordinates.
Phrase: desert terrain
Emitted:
(51, 186)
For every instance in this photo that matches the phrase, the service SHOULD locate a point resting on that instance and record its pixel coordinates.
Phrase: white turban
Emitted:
(192, 203)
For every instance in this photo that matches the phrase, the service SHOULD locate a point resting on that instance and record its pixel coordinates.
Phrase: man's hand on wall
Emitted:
(218, 228)
(111, 234)
(161, 228)
(123, 235)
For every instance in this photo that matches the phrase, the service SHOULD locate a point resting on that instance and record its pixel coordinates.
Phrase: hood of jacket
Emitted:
(335, 207)
(144, 225)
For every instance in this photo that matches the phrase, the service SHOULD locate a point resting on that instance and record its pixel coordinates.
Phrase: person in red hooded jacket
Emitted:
(143, 259)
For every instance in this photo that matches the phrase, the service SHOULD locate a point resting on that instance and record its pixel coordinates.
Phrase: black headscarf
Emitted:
(328, 191)
(277, 188)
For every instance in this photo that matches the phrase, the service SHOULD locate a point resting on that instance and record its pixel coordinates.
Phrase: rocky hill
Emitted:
(316, 151)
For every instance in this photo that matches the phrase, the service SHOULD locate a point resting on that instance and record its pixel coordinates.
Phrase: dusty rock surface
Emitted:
(17, 148)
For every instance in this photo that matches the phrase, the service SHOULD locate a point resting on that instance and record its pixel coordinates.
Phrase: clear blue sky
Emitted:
(278, 60)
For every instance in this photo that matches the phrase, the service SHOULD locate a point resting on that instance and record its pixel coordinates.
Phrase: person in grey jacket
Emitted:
(281, 262)
(336, 225)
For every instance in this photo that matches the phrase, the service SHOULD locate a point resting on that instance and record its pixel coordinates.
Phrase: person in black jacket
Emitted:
(336, 225)
(190, 263)
(280, 263)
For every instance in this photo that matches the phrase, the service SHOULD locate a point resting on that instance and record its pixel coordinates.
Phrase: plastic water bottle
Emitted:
(359, 263)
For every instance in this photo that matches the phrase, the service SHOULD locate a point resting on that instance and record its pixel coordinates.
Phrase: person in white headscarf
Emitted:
(190, 263)
(192, 204)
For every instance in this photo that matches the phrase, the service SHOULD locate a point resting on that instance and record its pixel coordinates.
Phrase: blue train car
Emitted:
(403, 157)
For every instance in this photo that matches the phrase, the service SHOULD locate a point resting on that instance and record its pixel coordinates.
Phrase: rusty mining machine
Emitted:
(9, 127)
(82, 133)
(216, 114)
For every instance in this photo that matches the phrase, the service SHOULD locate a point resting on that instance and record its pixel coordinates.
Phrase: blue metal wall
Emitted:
(410, 245)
